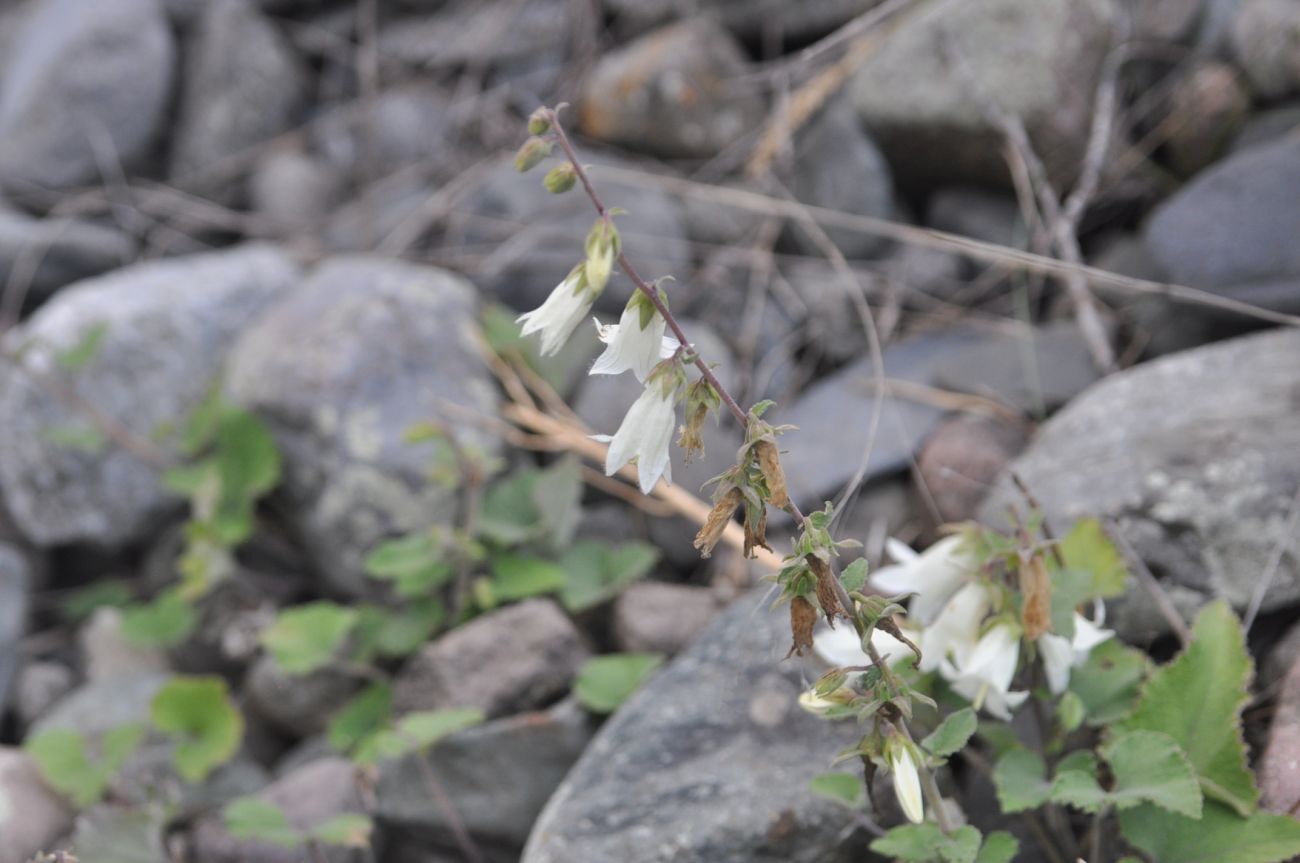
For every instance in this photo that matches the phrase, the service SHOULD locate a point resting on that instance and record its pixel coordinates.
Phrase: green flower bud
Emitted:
(538, 122)
(533, 151)
(560, 179)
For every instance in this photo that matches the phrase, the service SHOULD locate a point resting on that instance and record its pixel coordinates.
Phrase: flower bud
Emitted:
(533, 151)
(827, 598)
(755, 532)
(716, 523)
(803, 617)
(560, 179)
(539, 123)
(691, 439)
(907, 780)
(769, 461)
(1036, 597)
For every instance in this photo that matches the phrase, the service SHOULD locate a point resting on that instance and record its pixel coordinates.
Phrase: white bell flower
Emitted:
(983, 675)
(956, 629)
(1060, 654)
(645, 434)
(907, 783)
(627, 346)
(559, 316)
(934, 576)
(841, 647)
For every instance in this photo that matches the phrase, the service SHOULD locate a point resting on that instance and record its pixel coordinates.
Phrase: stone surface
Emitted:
(47, 254)
(668, 94)
(15, 596)
(106, 653)
(961, 459)
(1192, 456)
(1206, 109)
(403, 125)
(1279, 765)
(293, 189)
(340, 370)
(515, 658)
(1165, 20)
(32, 816)
(1265, 127)
(83, 78)
(1039, 61)
(747, 18)
(978, 213)
(1266, 44)
(242, 86)
(707, 763)
(1232, 230)
(167, 326)
(94, 708)
(310, 795)
(654, 617)
(838, 167)
(499, 776)
(38, 686)
(298, 704)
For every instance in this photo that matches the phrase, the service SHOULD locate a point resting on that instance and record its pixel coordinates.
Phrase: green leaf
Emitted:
(1079, 789)
(307, 637)
(1021, 780)
(542, 505)
(396, 632)
(77, 438)
(84, 351)
(926, 843)
(61, 755)
(999, 847)
(952, 734)
(416, 731)
(201, 426)
(251, 818)
(414, 563)
(1108, 682)
(1088, 549)
(106, 593)
(605, 682)
(1070, 712)
(349, 830)
(1149, 767)
(165, 622)
(854, 575)
(361, 717)
(517, 577)
(1197, 699)
(597, 571)
(1219, 836)
(840, 787)
(199, 712)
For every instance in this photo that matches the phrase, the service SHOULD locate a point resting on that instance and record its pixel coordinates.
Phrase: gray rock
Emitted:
(293, 189)
(468, 31)
(535, 237)
(167, 325)
(962, 458)
(309, 796)
(515, 658)
(298, 704)
(242, 86)
(1165, 20)
(46, 254)
(1039, 61)
(837, 167)
(707, 763)
(32, 816)
(151, 772)
(668, 93)
(84, 79)
(498, 775)
(1279, 781)
(340, 371)
(1266, 44)
(1192, 455)
(39, 686)
(1232, 230)
(1206, 108)
(15, 595)
(404, 125)
(94, 708)
(978, 213)
(106, 653)
(654, 617)
(749, 18)
(1277, 663)
(1265, 127)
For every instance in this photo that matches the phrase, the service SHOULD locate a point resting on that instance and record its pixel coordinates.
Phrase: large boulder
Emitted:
(15, 595)
(1266, 43)
(166, 326)
(86, 81)
(32, 816)
(1038, 60)
(341, 370)
(708, 763)
(1192, 457)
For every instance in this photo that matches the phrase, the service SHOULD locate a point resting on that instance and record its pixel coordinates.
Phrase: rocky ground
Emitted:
(309, 206)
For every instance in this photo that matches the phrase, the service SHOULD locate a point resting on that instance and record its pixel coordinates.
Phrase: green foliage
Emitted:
(413, 563)
(199, 713)
(1220, 835)
(1107, 684)
(79, 438)
(596, 571)
(83, 353)
(926, 843)
(1197, 699)
(415, 732)
(605, 682)
(1147, 766)
(396, 632)
(1087, 548)
(251, 818)
(840, 787)
(952, 734)
(999, 847)
(166, 621)
(364, 716)
(516, 576)
(534, 506)
(854, 576)
(63, 759)
(307, 637)
(105, 593)
(1020, 777)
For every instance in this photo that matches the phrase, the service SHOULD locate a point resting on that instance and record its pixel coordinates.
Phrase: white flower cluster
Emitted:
(949, 619)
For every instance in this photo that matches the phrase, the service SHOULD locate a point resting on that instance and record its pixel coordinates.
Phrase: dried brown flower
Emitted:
(826, 595)
(716, 523)
(769, 461)
(803, 617)
(1036, 595)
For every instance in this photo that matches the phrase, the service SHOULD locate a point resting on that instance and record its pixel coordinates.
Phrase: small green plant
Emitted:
(251, 818)
(605, 682)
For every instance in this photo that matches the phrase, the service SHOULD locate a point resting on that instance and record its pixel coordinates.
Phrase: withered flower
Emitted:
(803, 617)
(769, 461)
(717, 521)
(826, 595)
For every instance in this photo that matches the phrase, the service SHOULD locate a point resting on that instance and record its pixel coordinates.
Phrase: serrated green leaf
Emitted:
(840, 787)
(198, 711)
(1149, 767)
(166, 621)
(597, 571)
(1218, 837)
(1078, 789)
(1108, 682)
(1020, 777)
(926, 843)
(605, 682)
(1087, 548)
(952, 734)
(854, 575)
(349, 830)
(361, 717)
(998, 847)
(516, 576)
(251, 818)
(1197, 699)
(84, 351)
(307, 637)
